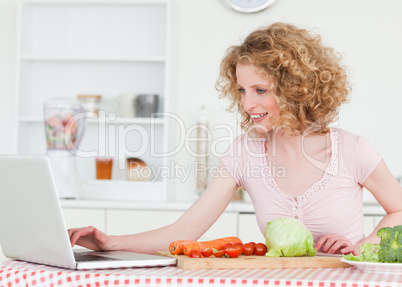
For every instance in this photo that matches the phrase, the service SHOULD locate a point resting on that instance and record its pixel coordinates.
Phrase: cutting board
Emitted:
(253, 261)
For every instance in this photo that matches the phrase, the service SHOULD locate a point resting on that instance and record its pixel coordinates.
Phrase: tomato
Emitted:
(252, 243)
(238, 244)
(206, 252)
(218, 253)
(194, 254)
(227, 245)
(248, 249)
(233, 252)
(239, 247)
(260, 249)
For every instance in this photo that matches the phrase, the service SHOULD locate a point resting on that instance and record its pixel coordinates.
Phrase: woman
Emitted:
(287, 87)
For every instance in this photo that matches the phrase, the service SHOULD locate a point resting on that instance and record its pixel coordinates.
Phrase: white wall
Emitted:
(368, 33)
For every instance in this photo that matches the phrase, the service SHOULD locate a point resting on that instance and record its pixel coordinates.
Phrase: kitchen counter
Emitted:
(234, 206)
(163, 205)
(18, 273)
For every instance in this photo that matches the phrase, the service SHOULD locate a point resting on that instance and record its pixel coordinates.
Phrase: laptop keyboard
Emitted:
(85, 257)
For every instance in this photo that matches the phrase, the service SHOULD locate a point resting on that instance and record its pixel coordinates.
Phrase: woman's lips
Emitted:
(259, 118)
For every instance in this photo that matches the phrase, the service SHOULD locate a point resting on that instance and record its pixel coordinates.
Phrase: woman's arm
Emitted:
(386, 189)
(190, 226)
(388, 192)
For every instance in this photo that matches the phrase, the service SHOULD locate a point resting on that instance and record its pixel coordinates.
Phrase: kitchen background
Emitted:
(367, 33)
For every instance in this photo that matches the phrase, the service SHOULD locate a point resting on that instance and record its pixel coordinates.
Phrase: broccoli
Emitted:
(398, 254)
(386, 254)
(387, 236)
(398, 229)
(391, 244)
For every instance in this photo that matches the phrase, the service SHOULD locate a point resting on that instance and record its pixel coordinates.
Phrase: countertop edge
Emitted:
(241, 207)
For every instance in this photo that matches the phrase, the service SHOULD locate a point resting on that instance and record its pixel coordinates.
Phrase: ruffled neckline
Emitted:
(317, 187)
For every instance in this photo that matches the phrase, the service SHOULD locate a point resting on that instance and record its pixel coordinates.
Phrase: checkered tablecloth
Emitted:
(18, 273)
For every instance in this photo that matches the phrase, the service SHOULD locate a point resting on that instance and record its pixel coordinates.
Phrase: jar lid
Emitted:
(85, 96)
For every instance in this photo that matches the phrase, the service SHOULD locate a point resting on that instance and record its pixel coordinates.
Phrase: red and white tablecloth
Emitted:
(18, 273)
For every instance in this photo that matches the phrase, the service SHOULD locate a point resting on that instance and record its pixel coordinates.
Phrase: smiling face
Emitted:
(257, 97)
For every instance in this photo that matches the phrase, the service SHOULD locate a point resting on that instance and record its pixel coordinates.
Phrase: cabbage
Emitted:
(368, 253)
(288, 237)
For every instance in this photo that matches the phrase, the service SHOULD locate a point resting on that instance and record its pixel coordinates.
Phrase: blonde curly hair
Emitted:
(308, 81)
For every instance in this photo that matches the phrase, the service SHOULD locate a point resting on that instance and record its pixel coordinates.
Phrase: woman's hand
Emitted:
(335, 244)
(90, 237)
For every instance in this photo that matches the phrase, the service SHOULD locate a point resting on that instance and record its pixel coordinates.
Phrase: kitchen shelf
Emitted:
(123, 190)
(44, 80)
(144, 121)
(85, 59)
(103, 47)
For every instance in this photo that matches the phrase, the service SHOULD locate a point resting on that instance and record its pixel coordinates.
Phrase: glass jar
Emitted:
(90, 103)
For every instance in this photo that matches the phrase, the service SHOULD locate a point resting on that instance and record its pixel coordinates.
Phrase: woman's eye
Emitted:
(259, 91)
(242, 90)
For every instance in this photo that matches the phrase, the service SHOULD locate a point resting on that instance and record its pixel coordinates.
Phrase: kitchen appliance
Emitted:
(146, 105)
(64, 128)
(126, 105)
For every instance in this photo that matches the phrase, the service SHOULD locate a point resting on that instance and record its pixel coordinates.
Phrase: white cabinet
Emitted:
(248, 228)
(2, 257)
(368, 225)
(121, 221)
(134, 221)
(225, 226)
(79, 217)
(108, 48)
(125, 221)
(370, 222)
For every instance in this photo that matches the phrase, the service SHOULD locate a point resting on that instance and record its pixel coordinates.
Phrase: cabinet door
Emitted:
(120, 221)
(377, 219)
(134, 221)
(368, 225)
(81, 217)
(370, 222)
(225, 226)
(248, 228)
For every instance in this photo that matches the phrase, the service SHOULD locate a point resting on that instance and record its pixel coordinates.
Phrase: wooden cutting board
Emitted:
(252, 261)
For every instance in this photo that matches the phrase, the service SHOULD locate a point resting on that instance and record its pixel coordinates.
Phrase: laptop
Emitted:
(32, 227)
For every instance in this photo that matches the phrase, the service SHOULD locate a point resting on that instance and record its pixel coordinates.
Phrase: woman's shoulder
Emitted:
(351, 142)
(244, 145)
(245, 139)
(345, 137)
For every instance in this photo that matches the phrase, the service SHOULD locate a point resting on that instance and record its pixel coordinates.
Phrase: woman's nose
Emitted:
(248, 103)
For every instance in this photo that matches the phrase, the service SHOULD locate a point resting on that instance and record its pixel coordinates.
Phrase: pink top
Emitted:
(333, 205)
